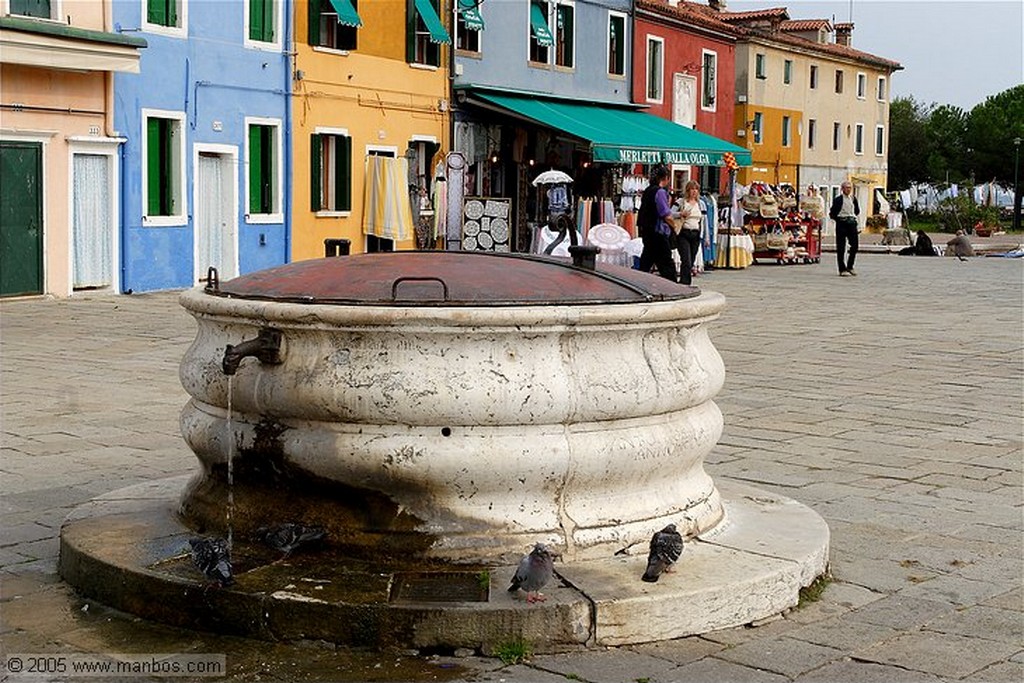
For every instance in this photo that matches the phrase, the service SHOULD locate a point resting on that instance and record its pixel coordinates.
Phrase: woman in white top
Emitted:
(691, 212)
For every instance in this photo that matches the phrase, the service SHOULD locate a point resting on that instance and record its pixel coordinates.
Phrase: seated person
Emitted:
(959, 246)
(922, 246)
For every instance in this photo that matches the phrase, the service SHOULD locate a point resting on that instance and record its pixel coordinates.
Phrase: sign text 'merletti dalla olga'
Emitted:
(654, 156)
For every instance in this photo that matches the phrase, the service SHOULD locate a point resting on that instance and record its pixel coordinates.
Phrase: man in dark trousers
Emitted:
(844, 212)
(653, 221)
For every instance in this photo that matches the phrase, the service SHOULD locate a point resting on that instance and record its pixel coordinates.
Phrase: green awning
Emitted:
(539, 23)
(470, 12)
(429, 16)
(347, 14)
(619, 134)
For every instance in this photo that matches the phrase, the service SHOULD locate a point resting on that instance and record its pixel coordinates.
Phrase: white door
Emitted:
(92, 222)
(215, 220)
(684, 100)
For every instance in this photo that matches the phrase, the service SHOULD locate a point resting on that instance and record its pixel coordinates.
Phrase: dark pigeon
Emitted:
(212, 558)
(286, 538)
(666, 547)
(534, 572)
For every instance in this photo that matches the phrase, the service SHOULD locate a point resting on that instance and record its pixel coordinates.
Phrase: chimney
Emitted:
(844, 34)
(717, 5)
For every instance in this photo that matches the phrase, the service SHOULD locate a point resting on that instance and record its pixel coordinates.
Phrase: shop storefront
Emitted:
(509, 139)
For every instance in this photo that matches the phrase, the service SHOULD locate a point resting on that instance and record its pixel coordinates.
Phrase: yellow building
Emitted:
(812, 111)
(370, 80)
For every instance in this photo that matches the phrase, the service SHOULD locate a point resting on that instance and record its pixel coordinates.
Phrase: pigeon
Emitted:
(534, 572)
(212, 558)
(286, 538)
(666, 547)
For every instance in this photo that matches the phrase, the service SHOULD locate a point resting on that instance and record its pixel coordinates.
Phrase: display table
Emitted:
(734, 249)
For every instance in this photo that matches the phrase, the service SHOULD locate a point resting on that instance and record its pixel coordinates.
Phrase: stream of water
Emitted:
(231, 470)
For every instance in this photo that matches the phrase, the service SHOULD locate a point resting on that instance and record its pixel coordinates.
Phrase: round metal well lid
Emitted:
(449, 278)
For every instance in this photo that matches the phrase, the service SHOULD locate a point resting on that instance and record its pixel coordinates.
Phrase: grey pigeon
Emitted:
(212, 558)
(534, 572)
(666, 547)
(286, 538)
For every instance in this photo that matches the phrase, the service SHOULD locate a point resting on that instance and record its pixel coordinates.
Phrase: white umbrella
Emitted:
(551, 177)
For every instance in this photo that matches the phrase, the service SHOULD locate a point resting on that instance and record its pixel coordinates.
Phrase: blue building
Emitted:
(206, 122)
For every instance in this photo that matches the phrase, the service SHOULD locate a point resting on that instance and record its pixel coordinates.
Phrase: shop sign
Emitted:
(654, 156)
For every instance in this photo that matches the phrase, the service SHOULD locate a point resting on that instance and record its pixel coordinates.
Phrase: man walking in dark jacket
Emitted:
(844, 212)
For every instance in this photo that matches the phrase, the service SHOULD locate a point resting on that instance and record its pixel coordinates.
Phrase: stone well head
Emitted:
(454, 406)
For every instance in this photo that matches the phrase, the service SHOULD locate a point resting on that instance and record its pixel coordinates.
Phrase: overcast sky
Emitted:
(955, 53)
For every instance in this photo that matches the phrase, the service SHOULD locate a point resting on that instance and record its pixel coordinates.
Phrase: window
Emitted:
(881, 89)
(32, 8)
(786, 132)
(709, 76)
(759, 67)
(330, 170)
(616, 44)
(812, 132)
(787, 71)
(814, 77)
(862, 86)
(758, 126)
(564, 34)
(655, 68)
(836, 131)
(541, 39)
(329, 29)
(164, 173)
(468, 24)
(880, 140)
(858, 141)
(164, 16)
(426, 39)
(839, 81)
(263, 168)
(262, 20)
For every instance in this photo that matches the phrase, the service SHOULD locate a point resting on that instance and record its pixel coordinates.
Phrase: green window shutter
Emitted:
(172, 12)
(156, 12)
(410, 31)
(315, 160)
(153, 167)
(314, 22)
(268, 20)
(343, 173)
(31, 8)
(255, 19)
(255, 169)
(267, 172)
(167, 196)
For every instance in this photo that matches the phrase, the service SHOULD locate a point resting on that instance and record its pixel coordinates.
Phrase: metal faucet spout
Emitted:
(266, 348)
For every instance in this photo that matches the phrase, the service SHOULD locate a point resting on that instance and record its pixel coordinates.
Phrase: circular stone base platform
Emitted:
(127, 549)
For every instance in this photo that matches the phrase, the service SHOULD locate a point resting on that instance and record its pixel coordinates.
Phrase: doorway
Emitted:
(216, 215)
(21, 218)
(93, 223)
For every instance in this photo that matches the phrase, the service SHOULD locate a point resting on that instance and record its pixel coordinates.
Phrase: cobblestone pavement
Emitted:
(891, 403)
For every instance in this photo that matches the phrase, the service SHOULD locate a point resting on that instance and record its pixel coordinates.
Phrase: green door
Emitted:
(21, 218)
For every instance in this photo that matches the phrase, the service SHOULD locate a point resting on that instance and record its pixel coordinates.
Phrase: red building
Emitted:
(684, 71)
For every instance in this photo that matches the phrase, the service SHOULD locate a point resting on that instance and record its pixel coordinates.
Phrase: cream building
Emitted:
(812, 109)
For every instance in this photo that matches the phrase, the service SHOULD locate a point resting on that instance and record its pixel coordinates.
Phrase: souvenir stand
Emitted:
(780, 232)
(733, 247)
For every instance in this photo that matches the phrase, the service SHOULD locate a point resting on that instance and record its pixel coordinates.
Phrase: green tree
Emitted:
(991, 128)
(946, 131)
(907, 143)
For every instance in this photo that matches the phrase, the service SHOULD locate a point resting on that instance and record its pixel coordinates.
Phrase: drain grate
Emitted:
(440, 587)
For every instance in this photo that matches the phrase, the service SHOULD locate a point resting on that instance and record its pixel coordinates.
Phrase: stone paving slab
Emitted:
(909, 376)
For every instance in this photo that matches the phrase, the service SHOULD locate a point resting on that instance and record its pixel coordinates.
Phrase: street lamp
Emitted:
(1016, 185)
